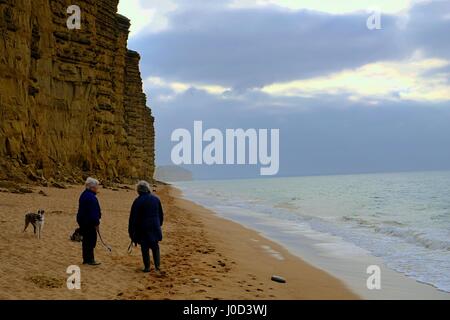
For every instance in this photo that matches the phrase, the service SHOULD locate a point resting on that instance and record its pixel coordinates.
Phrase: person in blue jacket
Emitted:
(88, 218)
(146, 220)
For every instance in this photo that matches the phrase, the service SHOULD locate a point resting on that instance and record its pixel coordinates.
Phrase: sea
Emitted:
(402, 219)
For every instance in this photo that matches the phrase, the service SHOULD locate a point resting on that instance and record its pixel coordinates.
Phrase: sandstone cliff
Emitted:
(71, 101)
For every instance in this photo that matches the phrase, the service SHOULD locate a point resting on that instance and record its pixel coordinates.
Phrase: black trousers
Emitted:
(145, 249)
(89, 234)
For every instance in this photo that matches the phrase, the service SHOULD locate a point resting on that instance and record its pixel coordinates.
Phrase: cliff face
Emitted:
(71, 101)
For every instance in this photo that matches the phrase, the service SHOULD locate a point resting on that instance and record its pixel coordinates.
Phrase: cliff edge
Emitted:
(71, 101)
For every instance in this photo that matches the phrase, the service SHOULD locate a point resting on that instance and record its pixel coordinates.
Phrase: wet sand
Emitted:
(203, 256)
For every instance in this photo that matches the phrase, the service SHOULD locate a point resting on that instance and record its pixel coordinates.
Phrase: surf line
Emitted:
(235, 147)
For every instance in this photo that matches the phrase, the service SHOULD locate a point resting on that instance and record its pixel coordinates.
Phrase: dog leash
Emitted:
(103, 242)
(130, 247)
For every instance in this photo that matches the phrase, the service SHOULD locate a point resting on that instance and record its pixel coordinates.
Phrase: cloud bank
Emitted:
(346, 99)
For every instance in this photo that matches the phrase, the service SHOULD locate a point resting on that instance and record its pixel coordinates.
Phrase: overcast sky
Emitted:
(345, 98)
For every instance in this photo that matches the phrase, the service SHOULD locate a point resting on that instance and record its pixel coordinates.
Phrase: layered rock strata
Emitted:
(71, 101)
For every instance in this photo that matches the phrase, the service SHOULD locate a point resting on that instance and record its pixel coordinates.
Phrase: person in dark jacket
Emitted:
(146, 220)
(88, 218)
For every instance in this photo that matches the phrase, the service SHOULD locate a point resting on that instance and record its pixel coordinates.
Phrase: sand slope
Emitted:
(203, 256)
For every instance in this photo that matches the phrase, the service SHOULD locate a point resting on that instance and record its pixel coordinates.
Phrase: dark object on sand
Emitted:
(58, 185)
(278, 279)
(77, 236)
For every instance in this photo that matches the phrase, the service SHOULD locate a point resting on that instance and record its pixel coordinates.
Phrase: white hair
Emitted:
(143, 187)
(91, 182)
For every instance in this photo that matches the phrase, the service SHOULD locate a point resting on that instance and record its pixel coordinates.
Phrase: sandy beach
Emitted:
(203, 255)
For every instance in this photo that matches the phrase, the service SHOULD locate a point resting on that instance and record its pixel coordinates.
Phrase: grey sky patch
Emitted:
(246, 49)
(330, 135)
(428, 28)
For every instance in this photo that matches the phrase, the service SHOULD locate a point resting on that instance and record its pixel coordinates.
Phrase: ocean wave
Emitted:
(401, 231)
(416, 237)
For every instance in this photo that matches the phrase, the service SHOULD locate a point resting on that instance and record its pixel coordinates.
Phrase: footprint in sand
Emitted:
(201, 291)
(46, 282)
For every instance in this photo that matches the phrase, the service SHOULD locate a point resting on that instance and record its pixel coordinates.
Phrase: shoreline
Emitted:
(348, 267)
(200, 259)
(304, 281)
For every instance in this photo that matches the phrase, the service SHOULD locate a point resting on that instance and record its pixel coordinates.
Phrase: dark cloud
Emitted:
(244, 48)
(429, 27)
(254, 47)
